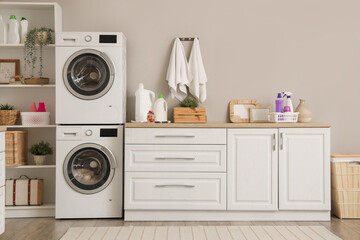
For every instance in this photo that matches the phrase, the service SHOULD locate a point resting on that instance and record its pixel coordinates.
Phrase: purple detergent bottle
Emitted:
(279, 103)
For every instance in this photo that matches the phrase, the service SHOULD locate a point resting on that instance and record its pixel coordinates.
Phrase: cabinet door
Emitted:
(2, 210)
(252, 169)
(304, 169)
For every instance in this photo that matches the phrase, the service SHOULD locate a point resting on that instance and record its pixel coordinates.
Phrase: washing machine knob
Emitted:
(88, 132)
(88, 38)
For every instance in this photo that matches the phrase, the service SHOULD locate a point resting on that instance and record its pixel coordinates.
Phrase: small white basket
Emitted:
(283, 117)
(35, 118)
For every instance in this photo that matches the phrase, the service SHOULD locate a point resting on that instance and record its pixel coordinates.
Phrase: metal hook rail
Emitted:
(187, 38)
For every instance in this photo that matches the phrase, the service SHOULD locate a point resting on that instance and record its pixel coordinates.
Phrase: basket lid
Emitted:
(345, 157)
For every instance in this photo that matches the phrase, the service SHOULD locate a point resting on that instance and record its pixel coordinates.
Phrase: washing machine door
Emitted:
(88, 74)
(89, 168)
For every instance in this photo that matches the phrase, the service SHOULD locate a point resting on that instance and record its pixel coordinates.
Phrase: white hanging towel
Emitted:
(197, 86)
(178, 73)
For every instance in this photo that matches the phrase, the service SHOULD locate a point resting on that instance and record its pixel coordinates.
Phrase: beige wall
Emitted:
(251, 49)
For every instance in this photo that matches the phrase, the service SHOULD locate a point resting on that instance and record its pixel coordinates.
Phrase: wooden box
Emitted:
(16, 148)
(24, 192)
(189, 115)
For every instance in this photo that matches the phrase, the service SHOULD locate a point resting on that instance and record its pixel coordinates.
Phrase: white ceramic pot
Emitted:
(39, 159)
(305, 114)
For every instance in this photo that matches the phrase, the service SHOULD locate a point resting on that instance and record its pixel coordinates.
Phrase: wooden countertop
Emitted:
(2, 129)
(227, 125)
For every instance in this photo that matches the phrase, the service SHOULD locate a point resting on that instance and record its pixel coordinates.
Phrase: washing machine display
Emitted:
(89, 168)
(88, 74)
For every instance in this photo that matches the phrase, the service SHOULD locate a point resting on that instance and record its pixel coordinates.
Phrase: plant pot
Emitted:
(190, 115)
(39, 81)
(9, 117)
(41, 37)
(39, 159)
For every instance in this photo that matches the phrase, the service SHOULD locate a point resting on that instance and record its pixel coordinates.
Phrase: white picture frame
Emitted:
(259, 114)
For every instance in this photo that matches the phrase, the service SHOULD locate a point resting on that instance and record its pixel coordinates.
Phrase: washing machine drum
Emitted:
(89, 168)
(88, 74)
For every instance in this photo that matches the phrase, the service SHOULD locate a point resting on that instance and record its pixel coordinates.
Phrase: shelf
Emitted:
(27, 5)
(22, 46)
(33, 166)
(45, 210)
(27, 86)
(27, 126)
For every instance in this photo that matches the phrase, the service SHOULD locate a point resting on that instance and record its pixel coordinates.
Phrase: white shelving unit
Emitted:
(21, 96)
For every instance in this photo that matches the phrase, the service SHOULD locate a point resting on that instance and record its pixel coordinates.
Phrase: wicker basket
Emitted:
(15, 148)
(345, 181)
(9, 117)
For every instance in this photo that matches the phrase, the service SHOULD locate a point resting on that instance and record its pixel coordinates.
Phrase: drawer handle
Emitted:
(175, 185)
(175, 157)
(166, 135)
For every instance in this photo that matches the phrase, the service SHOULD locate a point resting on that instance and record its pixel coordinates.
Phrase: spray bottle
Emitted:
(288, 101)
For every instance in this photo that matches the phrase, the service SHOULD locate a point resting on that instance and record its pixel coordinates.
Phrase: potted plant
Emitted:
(189, 112)
(8, 116)
(36, 38)
(40, 151)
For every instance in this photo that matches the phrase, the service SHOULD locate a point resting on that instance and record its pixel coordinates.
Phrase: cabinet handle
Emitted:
(69, 134)
(274, 142)
(167, 135)
(175, 185)
(175, 157)
(281, 141)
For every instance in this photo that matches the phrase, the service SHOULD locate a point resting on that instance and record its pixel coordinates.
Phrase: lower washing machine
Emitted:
(89, 171)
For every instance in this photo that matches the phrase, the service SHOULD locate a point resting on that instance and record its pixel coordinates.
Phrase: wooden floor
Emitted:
(51, 229)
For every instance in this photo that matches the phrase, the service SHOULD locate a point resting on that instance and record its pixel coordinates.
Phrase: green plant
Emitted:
(36, 37)
(6, 107)
(41, 148)
(189, 102)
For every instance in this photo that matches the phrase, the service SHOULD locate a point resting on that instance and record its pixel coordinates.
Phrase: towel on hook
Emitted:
(197, 86)
(178, 73)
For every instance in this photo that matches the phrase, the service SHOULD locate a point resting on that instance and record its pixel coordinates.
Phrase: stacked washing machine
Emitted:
(90, 113)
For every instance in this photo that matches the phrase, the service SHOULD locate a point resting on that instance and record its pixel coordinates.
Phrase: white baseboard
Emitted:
(155, 215)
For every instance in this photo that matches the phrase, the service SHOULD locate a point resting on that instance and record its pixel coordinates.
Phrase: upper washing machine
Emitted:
(90, 78)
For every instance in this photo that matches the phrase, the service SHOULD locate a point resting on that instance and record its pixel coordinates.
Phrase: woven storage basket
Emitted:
(15, 148)
(345, 182)
(9, 117)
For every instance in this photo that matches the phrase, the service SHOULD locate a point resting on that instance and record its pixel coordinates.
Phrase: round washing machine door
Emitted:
(88, 74)
(89, 168)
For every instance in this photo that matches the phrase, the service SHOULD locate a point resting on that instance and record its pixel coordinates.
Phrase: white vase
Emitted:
(305, 114)
(39, 159)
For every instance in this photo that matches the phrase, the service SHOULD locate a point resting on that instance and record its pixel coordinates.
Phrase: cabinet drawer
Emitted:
(174, 136)
(175, 158)
(2, 142)
(175, 191)
(2, 169)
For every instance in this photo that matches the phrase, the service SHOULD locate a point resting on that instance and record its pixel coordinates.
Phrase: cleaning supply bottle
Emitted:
(24, 28)
(144, 100)
(3, 31)
(160, 109)
(288, 101)
(13, 31)
(279, 102)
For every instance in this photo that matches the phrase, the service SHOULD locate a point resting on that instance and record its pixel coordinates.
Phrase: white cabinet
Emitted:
(304, 169)
(2, 182)
(252, 169)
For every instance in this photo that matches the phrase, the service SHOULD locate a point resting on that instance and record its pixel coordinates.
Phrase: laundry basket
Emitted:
(345, 182)
(35, 118)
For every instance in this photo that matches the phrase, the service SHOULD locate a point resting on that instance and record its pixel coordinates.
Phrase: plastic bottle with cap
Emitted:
(288, 101)
(279, 103)
(160, 109)
(144, 100)
(13, 32)
(24, 28)
(3, 31)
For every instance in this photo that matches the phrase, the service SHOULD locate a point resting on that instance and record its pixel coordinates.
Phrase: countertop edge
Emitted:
(2, 129)
(228, 125)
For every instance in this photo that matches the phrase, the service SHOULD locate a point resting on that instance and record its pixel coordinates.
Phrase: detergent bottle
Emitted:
(13, 31)
(160, 109)
(144, 100)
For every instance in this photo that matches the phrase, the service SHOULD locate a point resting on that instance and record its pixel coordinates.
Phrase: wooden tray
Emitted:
(189, 115)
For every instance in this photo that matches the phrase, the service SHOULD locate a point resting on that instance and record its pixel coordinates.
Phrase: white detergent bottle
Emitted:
(160, 109)
(24, 28)
(144, 100)
(288, 101)
(13, 32)
(3, 31)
